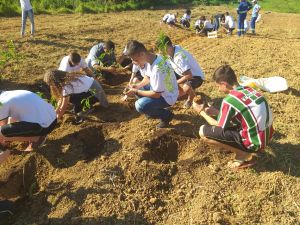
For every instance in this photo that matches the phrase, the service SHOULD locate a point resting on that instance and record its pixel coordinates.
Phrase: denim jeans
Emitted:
(241, 21)
(25, 14)
(252, 24)
(153, 107)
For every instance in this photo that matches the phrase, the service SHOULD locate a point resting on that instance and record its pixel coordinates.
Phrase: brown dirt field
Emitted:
(116, 168)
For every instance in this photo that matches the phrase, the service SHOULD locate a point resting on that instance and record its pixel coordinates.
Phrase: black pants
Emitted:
(82, 100)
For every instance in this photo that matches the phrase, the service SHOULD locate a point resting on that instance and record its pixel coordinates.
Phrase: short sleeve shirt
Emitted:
(171, 18)
(26, 106)
(65, 65)
(229, 21)
(25, 5)
(256, 8)
(95, 52)
(136, 68)
(162, 79)
(184, 61)
(80, 85)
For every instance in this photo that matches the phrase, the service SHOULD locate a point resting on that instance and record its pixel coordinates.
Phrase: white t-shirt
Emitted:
(65, 66)
(208, 25)
(186, 17)
(166, 17)
(25, 5)
(229, 21)
(136, 68)
(197, 23)
(183, 61)
(171, 18)
(163, 80)
(82, 84)
(26, 106)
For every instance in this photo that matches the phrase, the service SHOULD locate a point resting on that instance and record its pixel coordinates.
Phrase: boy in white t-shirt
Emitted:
(163, 86)
(207, 26)
(74, 88)
(187, 70)
(170, 19)
(228, 23)
(26, 12)
(74, 63)
(25, 117)
(186, 18)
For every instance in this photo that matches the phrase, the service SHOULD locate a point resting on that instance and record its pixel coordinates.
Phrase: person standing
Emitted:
(256, 9)
(242, 10)
(27, 11)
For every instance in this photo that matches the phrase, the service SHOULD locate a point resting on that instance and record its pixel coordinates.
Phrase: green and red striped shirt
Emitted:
(251, 111)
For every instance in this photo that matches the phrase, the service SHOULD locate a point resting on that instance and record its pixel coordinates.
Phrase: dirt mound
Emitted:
(19, 180)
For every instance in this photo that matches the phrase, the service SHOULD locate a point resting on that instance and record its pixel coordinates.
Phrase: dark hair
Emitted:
(57, 79)
(227, 13)
(75, 58)
(162, 42)
(109, 45)
(134, 47)
(188, 11)
(225, 73)
(202, 18)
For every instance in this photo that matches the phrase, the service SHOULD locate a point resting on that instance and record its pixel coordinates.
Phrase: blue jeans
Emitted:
(252, 24)
(25, 14)
(153, 107)
(241, 21)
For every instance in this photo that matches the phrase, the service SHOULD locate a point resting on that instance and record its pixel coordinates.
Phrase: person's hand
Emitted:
(212, 111)
(198, 107)
(131, 92)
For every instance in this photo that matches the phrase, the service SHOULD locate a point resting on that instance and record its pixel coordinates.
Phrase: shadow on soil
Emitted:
(40, 215)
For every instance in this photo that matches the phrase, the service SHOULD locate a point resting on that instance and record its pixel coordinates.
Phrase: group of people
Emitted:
(203, 24)
(243, 124)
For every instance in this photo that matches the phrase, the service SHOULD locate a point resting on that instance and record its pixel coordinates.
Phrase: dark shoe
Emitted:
(78, 120)
(165, 123)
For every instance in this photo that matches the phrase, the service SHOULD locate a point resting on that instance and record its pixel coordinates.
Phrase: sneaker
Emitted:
(78, 120)
(187, 104)
(165, 123)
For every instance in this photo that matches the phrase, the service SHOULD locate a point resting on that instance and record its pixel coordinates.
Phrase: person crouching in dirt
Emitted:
(187, 70)
(207, 26)
(80, 90)
(102, 58)
(244, 124)
(170, 19)
(74, 63)
(228, 23)
(163, 90)
(186, 19)
(24, 117)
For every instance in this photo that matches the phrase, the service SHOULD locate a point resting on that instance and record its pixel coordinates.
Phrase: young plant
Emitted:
(86, 101)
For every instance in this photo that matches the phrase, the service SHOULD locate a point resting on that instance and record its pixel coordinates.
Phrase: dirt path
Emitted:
(117, 169)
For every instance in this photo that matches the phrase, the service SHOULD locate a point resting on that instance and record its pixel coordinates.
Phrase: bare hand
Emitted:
(212, 111)
(198, 107)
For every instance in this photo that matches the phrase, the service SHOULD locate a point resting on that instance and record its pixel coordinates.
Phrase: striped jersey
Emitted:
(249, 109)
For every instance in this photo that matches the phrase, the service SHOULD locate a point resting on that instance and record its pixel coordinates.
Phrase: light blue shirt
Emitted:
(255, 10)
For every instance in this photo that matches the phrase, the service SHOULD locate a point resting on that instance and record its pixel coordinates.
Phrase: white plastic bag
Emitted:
(270, 84)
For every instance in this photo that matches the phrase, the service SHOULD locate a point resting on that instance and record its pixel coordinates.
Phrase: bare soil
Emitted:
(117, 168)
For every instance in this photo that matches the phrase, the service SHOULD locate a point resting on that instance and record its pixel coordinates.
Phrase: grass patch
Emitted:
(284, 6)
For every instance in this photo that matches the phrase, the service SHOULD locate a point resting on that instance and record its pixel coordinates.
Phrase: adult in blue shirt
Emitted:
(242, 10)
